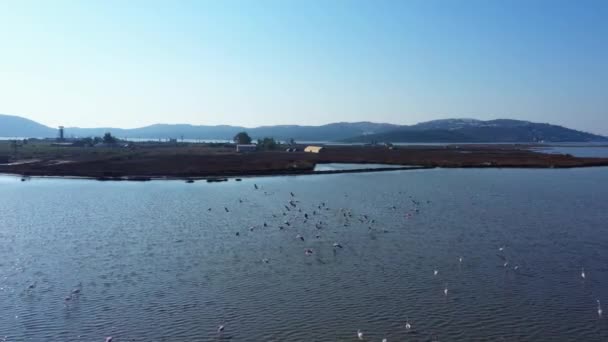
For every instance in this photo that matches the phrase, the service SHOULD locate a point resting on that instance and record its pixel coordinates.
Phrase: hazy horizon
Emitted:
(253, 127)
(128, 65)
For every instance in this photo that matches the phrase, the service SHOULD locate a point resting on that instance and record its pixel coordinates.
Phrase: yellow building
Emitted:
(313, 149)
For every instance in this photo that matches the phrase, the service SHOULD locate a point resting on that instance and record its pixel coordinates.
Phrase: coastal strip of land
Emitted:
(195, 161)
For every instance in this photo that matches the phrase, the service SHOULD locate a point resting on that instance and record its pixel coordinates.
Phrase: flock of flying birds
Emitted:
(293, 205)
(293, 211)
(315, 216)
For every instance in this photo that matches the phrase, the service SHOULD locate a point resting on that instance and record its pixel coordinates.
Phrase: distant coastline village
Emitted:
(108, 157)
(241, 143)
(99, 156)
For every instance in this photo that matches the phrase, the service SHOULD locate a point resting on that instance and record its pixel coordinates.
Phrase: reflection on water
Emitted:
(351, 166)
(161, 261)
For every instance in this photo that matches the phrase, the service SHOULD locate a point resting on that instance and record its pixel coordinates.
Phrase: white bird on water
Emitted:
(220, 328)
(460, 260)
(435, 272)
(408, 326)
(445, 290)
(599, 309)
(360, 335)
(384, 340)
(583, 273)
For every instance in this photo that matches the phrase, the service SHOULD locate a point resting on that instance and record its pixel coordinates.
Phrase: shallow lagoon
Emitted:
(160, 261)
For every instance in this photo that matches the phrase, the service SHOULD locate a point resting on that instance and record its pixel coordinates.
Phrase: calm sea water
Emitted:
(160, 261)
(577, 151)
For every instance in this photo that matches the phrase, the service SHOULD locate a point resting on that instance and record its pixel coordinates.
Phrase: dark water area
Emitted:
(161, 261)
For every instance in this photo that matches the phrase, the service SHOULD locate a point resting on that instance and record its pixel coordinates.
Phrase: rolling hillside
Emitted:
(476, 131)
(448, 130)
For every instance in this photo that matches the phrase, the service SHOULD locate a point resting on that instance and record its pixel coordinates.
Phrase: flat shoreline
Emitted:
(191, 162)
(222, 178)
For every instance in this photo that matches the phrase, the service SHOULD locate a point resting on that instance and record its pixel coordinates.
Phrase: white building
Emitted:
(246, 148)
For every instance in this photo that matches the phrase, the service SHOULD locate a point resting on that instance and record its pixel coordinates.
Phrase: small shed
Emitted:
(246, 147)
(313, 149)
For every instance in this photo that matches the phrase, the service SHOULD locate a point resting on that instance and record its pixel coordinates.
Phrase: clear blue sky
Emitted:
(130, 63)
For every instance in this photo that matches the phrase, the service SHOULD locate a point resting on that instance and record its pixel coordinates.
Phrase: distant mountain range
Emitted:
(477, 131)
(449, 130)
(15, 126)
(334, 131)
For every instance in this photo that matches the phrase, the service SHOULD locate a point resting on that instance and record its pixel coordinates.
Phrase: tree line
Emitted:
(266, 143)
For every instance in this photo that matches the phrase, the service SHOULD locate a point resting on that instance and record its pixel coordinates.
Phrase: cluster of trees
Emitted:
(266, 143)
(242, 138)
(107, 138)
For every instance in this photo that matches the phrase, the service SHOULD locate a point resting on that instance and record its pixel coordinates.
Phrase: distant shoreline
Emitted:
(202, 162)
(224, 178)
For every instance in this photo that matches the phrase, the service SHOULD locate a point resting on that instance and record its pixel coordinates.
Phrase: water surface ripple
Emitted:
(161, 261)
